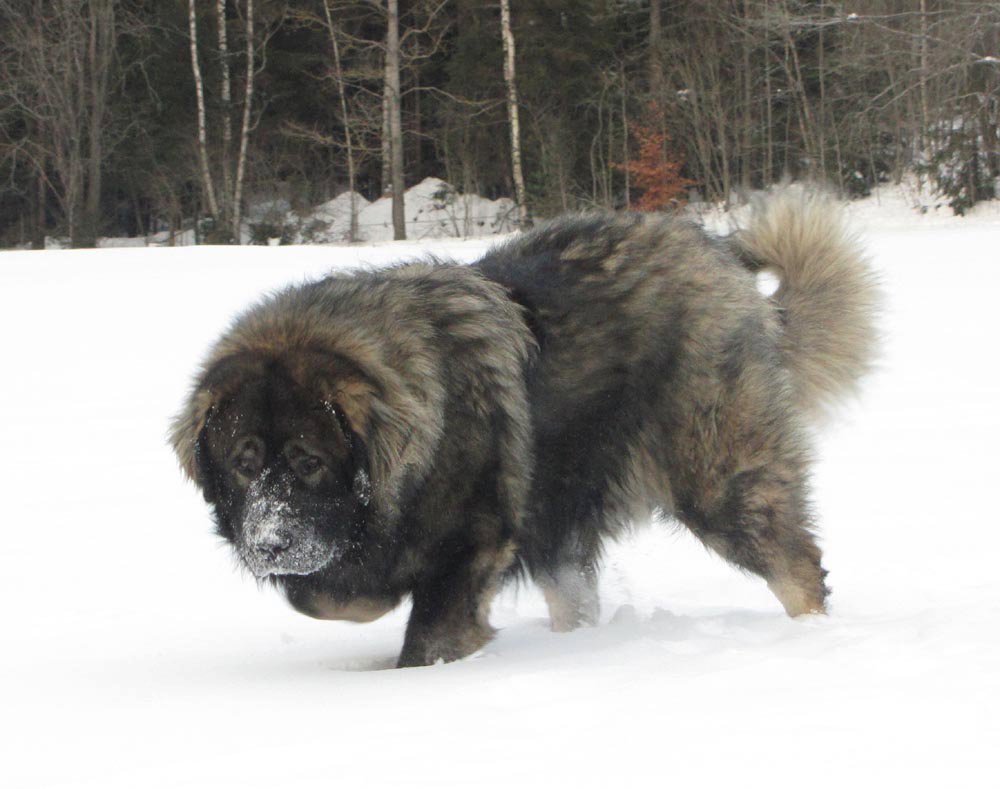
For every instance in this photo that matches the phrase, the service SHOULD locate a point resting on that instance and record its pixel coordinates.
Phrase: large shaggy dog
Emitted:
(431, 429)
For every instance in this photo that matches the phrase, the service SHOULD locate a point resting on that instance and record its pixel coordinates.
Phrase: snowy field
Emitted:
(135, 655)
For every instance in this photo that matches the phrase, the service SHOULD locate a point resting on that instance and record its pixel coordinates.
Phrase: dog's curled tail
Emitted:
(828, 296)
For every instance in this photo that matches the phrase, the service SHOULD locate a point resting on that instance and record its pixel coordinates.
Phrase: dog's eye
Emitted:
(247, 458)
(245, 467)
(309, 466)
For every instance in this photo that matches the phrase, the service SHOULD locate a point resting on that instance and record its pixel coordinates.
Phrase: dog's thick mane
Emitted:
(385, 330)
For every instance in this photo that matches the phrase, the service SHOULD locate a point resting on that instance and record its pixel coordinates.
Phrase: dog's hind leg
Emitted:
(760, 523)
(571, 596)
(570, 587)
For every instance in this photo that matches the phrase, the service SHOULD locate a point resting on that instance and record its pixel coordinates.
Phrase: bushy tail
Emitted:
(828, 296)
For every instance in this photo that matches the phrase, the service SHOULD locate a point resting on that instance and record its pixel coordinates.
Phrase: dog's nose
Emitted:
(272, 544)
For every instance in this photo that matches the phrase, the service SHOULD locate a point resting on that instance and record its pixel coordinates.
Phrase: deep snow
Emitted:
(136, 656)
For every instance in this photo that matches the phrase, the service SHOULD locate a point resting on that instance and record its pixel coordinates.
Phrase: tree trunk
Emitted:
(38, 234)
(206, 174)
(395, 120)
(655, 49)
(339, 75)
(625, 151)
(509, 75)
(386, 142)
(100, 50)
(226, 91)
(417, 162)
(746, 156)
(245, 131)
(769, 113)
(924, 110)
(821, 108)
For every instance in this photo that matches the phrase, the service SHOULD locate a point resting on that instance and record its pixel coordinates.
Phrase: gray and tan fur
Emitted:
(826, 297)
(434, 428)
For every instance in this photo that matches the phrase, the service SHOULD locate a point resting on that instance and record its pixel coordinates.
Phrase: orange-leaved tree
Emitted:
(657, 170)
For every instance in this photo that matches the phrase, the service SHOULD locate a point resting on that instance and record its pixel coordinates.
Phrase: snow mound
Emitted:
(435, 209)
(330, 222)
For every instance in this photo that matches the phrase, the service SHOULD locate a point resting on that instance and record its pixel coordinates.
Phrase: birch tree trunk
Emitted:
(226, 91)
(924, 111)
(245, 131)
(339, 76)
(206, 174)
(395, 120)
(509, 75)
(386, 141)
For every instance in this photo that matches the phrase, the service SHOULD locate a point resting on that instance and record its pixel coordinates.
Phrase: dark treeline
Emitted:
(125, 117)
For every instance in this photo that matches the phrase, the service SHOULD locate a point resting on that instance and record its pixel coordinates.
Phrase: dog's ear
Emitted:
(219, 380)
(188, 428)
(203, 473)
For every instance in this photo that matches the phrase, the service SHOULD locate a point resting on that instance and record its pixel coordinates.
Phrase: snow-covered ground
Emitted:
(134, 655)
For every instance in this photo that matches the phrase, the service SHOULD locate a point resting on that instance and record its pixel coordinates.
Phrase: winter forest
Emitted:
(131, 117)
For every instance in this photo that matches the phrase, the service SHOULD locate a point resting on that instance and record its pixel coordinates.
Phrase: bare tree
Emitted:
(348, 141)
(395, 118)
(227, 213)
(386, 135)
(101, 40)
(357, 71)
(56, 70)
(655, 50)
(226, 91)
(372, 77)
(245, 128)
(509, 75)
(208, 184)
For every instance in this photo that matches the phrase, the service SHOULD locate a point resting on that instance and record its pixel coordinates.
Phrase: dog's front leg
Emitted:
(450, 616)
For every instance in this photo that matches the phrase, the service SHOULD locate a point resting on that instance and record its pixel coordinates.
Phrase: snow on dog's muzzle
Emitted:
(276, 540)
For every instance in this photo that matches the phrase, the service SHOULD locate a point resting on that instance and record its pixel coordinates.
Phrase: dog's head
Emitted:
(276, 445)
